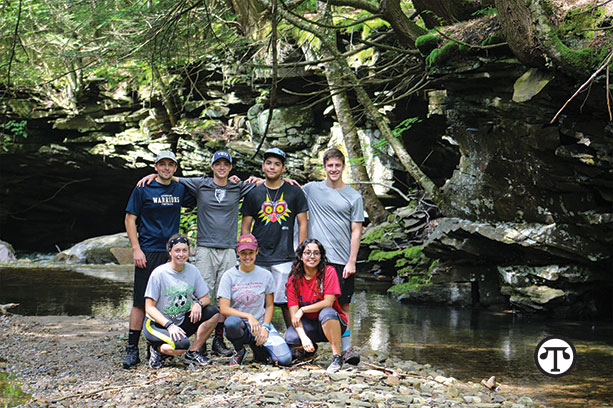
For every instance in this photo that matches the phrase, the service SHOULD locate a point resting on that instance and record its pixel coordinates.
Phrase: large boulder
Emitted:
(7, 253)
(95, 250)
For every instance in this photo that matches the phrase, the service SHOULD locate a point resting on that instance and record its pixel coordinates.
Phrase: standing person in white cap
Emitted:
(272, 208)
(157, 206)
(217, 200)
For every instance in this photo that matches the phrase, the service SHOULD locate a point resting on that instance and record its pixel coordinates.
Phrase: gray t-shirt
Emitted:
(247, 290)
(217, 210)
(173, 291)
(331, 213)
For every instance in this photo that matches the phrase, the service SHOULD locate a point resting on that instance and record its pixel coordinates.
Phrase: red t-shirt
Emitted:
(309, 292)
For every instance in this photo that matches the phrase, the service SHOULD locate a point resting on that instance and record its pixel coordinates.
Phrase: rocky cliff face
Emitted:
(528, 211)
(530, 203)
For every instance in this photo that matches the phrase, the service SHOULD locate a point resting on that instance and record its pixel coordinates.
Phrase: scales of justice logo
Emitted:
(555, 356)
(274, 211)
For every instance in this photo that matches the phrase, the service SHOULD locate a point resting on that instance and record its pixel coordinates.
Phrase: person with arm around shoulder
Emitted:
(246, 298)
(269, 212)
(157, 207)
(172, 313)
(336, 214)
(312, 290)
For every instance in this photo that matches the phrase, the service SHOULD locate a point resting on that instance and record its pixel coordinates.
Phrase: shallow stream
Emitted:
(468, 344)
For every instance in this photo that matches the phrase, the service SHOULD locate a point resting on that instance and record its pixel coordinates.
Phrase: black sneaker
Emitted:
(194, 357)
(237, 358)
(336, 364)
(156, 358)
(132, 358)
(219, 347)
(350, 356)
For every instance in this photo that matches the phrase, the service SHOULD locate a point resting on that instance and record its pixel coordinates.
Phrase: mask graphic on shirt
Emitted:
(274, 211)
(220, 194)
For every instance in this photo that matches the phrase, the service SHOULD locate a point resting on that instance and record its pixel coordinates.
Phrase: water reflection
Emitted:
(464, 343)
(473, 345)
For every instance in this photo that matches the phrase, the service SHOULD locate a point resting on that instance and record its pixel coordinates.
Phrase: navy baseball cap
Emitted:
(275, 151)
(221, 154)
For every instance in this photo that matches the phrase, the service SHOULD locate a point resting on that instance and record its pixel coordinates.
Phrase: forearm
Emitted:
(356, 234)
(270, 310)
(156, 315)
(246, 224)
(316, 307)
(130, 224)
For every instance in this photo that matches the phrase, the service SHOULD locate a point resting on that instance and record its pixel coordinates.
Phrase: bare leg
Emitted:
(286, 316)
(137, 317)
(332, 331)
(204, 332)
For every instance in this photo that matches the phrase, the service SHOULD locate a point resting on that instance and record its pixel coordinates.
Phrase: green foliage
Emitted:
(426, 43)
(441, 55)
(413, 284)
(495, 38)
(405, 125)
(11, 394)
(188, 224)
(10, 134)
(378, 233)
(488, 11)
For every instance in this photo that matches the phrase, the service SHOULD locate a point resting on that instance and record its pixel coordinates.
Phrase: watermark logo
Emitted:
(555, 356)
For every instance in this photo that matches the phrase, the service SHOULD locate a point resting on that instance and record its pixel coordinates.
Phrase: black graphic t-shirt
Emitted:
(274, 213)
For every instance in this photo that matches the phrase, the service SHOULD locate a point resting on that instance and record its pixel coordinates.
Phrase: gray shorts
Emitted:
(212, 263)
(280, 273)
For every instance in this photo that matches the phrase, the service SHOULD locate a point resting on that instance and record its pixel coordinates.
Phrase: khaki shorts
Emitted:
(212, 263)
(280, 273)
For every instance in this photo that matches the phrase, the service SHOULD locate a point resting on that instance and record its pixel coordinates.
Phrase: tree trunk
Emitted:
(372, 204)
(436, 13)
(516, 21)
(167, 97)
(406, 30)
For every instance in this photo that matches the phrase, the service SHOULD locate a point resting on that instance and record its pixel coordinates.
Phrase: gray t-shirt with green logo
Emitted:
(174, 291)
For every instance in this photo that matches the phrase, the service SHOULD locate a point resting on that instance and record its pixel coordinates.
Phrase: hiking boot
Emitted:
(203, 350)
(219, 347)
(350, 356)
(132, 358)
(260, 355)
(155, 361)
(237, 358)
(194, 357)
(336, 364)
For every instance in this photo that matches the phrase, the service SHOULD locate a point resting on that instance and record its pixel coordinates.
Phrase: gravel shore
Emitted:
(66, 361)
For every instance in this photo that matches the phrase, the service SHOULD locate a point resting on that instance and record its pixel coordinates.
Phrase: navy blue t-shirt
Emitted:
(158, 208)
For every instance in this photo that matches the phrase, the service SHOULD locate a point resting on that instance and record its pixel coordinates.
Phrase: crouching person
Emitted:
(177, 304)
(246, 298)
(312, 290)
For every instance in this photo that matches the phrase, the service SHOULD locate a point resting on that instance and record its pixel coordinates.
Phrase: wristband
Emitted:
(168, 324)
(200, 303)
(267, 326)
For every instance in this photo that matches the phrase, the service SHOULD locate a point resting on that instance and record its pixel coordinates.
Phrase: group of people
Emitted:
(313, 285)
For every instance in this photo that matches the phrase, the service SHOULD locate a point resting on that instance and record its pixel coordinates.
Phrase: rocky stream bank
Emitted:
(62, 361)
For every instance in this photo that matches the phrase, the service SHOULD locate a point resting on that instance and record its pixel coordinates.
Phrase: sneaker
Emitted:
(131, 356)
(219, 347)
(350, 356)
(194, 357)
(336, 364)
(155, 361)
(237, 358)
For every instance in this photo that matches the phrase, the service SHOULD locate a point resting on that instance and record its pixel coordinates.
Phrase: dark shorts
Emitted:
(157, 334)
(313, 328)
(141, 276)
(347, 285)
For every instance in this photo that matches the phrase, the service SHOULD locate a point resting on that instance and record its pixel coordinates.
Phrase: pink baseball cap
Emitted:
(247, 241)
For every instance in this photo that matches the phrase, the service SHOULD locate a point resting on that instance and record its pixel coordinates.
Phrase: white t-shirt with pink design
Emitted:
(247, 290)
